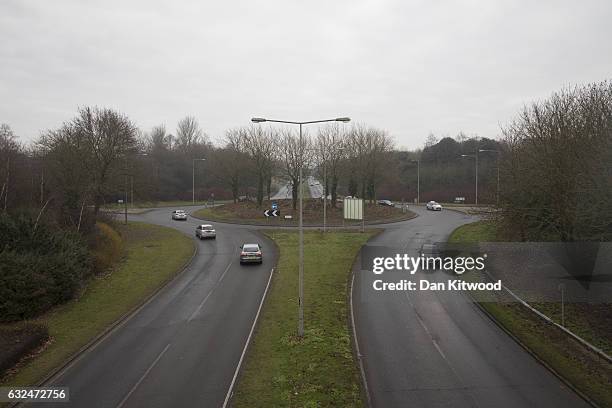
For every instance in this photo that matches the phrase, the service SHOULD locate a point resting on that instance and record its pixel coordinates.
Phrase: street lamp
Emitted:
(301, 223)
(125, 198)
(494, 151)
(193, 179)
(474, 156)
(418, 162)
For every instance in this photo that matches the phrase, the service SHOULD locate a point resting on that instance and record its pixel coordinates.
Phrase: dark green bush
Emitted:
(38, 269)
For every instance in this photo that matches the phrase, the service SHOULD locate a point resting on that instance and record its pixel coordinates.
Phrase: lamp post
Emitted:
(418, 162)
(193, 179)
(474, 156)
(125, 198)
(301, 223)
(494, 151)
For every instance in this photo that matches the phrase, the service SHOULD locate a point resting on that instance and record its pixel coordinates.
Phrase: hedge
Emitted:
(38, 268)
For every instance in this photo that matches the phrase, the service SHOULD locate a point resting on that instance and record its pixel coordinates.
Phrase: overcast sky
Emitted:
(410, 67)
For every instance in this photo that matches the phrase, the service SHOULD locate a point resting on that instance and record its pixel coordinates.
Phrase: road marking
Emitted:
(199, 308)
(246, 345)
(361, 368)
(124, 400)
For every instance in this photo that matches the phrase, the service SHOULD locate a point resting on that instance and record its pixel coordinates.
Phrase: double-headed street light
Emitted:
(475, 157)
(494, 151)
(301, 223)
(193, 179)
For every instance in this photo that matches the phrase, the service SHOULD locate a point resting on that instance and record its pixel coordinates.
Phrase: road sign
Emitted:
(271, 213)
(274, 206)
(353, 209)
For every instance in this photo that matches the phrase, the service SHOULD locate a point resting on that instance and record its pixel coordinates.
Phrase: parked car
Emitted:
(433, 206)
(205, 231)
(388, 203)
(251, 253)
(179, 215)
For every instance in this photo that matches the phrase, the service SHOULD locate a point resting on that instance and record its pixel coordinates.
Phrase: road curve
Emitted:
(438, 349)
(182, 348)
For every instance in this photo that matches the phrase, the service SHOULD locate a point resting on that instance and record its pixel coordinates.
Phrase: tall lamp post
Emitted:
(475, 157)
(301, 224)
(497, 192)
(193, 179)
(125, 198)
(418, 162)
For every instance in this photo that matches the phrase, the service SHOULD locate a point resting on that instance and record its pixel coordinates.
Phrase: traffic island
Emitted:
(249, 213)
(319, 369)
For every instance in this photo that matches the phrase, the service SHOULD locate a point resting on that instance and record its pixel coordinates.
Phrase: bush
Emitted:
(38, 269)
(107, 247)
(18, 341)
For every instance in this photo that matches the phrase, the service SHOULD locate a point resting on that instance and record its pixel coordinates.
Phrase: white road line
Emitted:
(124, 400)
(359, 359)
(199, 308)
(246, 345)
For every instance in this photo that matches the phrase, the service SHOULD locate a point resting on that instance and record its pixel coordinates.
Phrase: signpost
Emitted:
(272, 213)
(353, 210)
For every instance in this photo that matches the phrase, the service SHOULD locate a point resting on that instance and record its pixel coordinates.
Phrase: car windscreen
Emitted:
(250, 248)
(207, 228)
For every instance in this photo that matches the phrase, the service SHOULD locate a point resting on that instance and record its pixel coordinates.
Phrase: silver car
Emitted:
(179, 215)
(433, 206)
(251, 253)
(205, 231)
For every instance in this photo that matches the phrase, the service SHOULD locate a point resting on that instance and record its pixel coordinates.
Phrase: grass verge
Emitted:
(319, 370)
(154, 255)
(585, 370)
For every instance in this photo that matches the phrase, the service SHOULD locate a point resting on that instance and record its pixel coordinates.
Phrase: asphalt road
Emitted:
(181, 349)
(316, 188)
(438, 349)
(283, 193)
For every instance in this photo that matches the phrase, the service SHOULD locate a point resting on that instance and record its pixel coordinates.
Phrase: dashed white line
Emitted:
(124, 400)
(199, 308)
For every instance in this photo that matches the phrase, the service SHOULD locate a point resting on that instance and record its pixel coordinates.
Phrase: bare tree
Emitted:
(158, 139)
(259, 144)
(87, 151)
(330, 150)
(556, 167)
(368, 149)
(8, 149)
(293, 156)
(231, 165)
(189, 134)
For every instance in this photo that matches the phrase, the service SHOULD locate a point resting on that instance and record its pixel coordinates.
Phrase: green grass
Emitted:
(580, 367)
(154, 255)
(319, 370)
(482, 231)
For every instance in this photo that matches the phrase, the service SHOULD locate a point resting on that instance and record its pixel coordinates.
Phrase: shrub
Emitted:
(18, 341)
(107, 247)
(38, 268)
